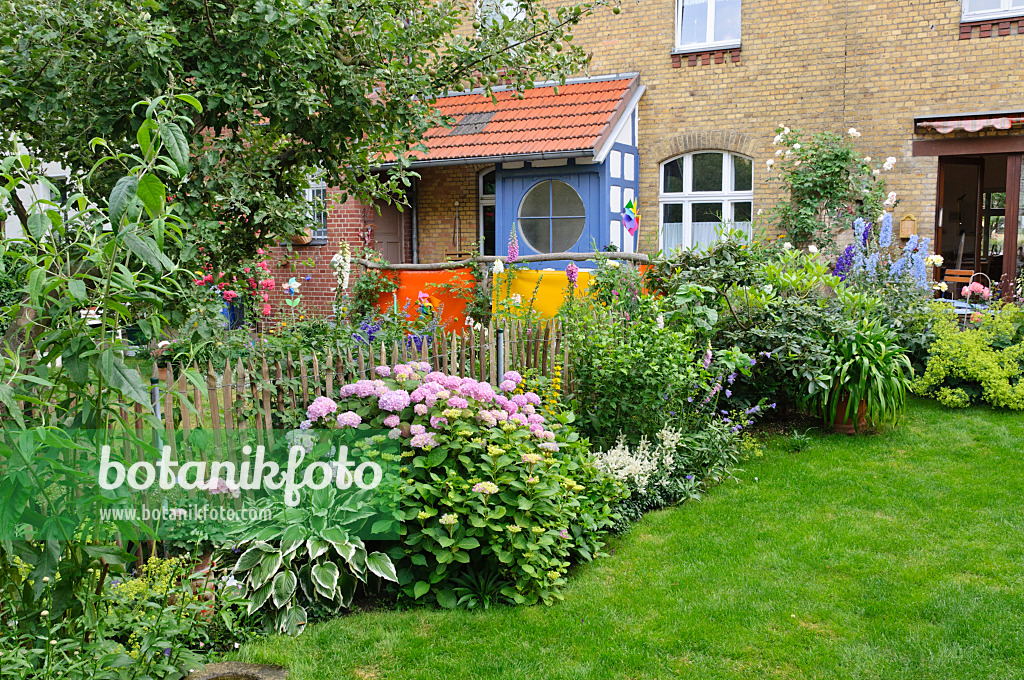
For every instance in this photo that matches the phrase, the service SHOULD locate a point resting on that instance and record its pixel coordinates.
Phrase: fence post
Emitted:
(501, 352)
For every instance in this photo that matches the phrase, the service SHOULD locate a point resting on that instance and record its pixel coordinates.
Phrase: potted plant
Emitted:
(866, 376)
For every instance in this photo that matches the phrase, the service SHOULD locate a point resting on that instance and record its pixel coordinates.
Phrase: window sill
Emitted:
(704, 56)
(706, 47)
(990, 28)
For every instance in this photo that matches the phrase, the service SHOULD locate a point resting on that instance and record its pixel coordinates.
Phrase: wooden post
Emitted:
(1011, 233)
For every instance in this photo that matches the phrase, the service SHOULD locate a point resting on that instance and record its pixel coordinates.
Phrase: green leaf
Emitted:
(38, 223)
(147, 251)
(13, 408)
(35, 284)
(447, 599)
(420, 589)
(380, 564)
(153, 194)
(143, 136)
(77, 289)
(120, 198)
(325, 578)
(125, 380)
(259, 597)
(189, 99)
(283, 588)
(249, 559)
(468, 543)
(176, 145)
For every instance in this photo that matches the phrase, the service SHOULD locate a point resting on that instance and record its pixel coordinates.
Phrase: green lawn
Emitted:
(891, 556)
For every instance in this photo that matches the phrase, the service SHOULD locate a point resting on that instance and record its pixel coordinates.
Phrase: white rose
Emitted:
(812, 249)
(853, 132)
(787, 246)
(796, 146)
(867, 159)
(770, 162)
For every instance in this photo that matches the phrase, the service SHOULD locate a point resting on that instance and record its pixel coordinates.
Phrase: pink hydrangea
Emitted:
(514, 376)
(321, 407)
(519, 400)
(380, 388)
(500, 415)
(506, 386)
(532, 398)
(363, 388)
(535, 419)
(423, 366)
(547, 435)
(417, 429)
(458, 402)
(392, 421)
(487, 419)
(349, 419)
(393, 400)
(305, 425)
(437, 421)
(420, 409)
(423, 440)
(536, 429)
(519, 418)
(382, 371)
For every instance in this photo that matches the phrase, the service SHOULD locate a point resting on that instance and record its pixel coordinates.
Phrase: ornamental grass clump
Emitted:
(485, 479)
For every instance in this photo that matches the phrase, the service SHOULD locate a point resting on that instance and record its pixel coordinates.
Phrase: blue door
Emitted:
(553, 213)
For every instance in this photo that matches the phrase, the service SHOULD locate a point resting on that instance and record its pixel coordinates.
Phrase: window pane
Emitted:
(1017, 3)
(566, 231)
(487, 184)
(706, 212)
(742, 173)
(693, 22)
(727, 20)
(672, 227)
(741, 212)
(971, 6)
(565, 201)
(673, 176)
(537, 202)
(707, 172)
(489, 229)
(536, 234)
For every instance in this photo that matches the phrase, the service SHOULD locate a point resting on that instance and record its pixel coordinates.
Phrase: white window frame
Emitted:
(482, 202)
(728, 197)
(319, 216)
(709, 43)
(1004, 11)
(508, 10)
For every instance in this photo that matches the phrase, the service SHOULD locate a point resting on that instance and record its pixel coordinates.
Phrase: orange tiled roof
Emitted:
(577, 119)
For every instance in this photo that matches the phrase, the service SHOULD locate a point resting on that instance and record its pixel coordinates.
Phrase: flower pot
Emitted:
(161, 373)
(845, 425)
(303, 238)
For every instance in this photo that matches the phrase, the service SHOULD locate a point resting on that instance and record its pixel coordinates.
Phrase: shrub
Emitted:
(487, 482)
(984, 363)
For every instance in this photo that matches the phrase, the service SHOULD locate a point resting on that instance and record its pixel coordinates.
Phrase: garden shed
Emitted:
(560, 164)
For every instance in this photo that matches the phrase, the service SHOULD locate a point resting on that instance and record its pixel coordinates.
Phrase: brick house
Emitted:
(934, 83)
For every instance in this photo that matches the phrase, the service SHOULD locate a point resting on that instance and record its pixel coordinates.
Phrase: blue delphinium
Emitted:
(844, 264)
(885, 235)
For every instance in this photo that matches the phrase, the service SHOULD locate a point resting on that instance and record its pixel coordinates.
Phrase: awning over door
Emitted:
(969, 122)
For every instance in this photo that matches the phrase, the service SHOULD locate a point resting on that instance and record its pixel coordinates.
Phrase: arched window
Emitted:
(701, 191)
(551, 217)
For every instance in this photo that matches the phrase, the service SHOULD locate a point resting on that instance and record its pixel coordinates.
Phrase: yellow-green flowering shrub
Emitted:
(982, 363)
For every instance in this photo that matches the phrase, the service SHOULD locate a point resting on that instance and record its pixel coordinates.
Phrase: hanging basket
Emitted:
(303, 238)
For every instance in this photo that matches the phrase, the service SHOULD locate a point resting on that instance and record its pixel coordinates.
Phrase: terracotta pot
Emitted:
(161, 373)
(845, 425)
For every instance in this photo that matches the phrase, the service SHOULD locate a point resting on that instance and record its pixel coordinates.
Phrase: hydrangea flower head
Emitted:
(349, 419)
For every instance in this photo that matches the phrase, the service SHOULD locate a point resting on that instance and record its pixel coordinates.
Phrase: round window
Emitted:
(551, 217)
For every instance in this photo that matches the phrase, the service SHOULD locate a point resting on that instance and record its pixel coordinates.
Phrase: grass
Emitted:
(891, 556)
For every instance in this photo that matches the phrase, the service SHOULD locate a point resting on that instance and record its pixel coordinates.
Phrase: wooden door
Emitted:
(959, 211)
(386, 229)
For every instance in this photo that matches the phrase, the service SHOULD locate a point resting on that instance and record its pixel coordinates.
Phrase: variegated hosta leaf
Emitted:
(325, 578)
(251, 557)
(259, 597)
(380, 564)
(283, 587)
(267, 567)
(317, 547)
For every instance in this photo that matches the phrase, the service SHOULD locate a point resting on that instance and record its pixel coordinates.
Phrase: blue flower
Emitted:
(885, 236)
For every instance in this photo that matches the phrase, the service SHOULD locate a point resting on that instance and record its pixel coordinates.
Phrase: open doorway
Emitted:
(970, 231)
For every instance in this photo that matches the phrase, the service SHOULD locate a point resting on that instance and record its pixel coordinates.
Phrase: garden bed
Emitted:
(873, 557)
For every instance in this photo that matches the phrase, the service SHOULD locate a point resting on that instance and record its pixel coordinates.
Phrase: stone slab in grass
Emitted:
(232, 670)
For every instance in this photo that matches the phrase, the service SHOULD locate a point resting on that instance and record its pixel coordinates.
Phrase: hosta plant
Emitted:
(307, 555)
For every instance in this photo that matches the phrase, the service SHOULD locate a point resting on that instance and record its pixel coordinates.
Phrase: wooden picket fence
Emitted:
(253, 394)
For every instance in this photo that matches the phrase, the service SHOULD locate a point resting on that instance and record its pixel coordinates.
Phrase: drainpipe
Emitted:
(415, 231)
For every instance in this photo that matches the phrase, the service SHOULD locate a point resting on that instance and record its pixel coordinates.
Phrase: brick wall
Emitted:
(810, 64)
(437, 192)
